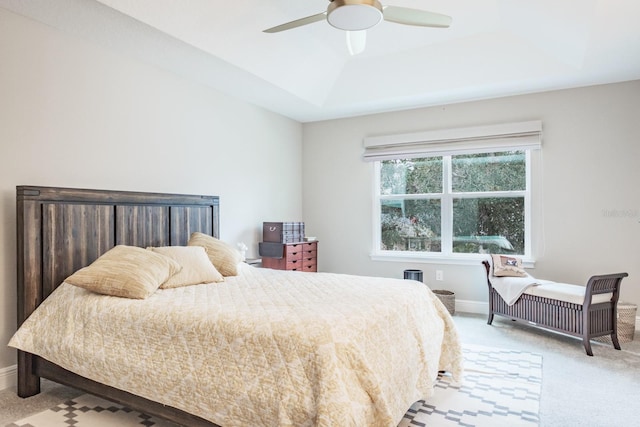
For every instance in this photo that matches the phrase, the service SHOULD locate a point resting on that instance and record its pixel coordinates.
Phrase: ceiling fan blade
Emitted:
(421, 18)
(297, 23)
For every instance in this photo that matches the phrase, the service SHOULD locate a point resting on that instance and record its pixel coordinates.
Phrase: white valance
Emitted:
(479, 139)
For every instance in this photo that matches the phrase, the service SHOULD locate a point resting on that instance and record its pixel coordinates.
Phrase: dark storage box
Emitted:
(271, 250)
(283, 232)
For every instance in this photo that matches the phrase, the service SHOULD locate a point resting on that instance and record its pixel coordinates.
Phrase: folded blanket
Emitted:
(510, 288)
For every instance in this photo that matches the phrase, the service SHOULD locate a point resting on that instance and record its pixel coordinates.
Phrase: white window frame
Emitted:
(525, 136)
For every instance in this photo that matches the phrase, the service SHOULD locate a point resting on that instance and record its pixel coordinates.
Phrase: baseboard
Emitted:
(476, 307)
(8, 377)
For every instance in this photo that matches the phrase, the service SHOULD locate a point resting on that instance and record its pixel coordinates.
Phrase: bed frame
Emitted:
(61, 230)
(585, 321)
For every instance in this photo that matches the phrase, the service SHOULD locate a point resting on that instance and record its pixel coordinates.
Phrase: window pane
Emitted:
(411, 176)
(492, 225)
(504, 171)
(410, 225)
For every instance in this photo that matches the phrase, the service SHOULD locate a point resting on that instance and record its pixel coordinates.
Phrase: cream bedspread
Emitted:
(264, 348)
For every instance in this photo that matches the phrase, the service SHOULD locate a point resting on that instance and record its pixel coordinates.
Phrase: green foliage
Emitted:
(410, 224)
(411, 176)
(482, 223)
(505, 171)
(492, 225)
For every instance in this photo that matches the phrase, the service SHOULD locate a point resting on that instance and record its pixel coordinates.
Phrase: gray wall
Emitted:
(74, 114)
(588, 218)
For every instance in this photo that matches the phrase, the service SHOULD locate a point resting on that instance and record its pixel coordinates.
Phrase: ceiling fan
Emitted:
(355, 16)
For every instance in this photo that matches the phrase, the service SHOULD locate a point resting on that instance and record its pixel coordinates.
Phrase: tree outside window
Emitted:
(455, 204)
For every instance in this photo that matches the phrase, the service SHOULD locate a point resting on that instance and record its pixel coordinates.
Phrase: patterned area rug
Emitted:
(499, 388)
(90, 411)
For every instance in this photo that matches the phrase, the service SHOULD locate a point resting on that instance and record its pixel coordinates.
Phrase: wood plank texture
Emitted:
(60, 230)
(142, 225)
(73, 236)
(189, 219)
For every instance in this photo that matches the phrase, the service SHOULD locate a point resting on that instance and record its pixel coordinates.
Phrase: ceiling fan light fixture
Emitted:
(356, 41)
(354, 15)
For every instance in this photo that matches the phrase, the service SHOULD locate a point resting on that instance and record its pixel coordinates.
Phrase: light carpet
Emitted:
(499, 388)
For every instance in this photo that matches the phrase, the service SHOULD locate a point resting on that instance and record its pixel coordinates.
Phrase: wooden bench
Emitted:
(588, 319)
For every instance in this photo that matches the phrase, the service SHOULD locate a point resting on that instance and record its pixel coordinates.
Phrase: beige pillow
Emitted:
(506, 266)
(196, 267)
(223, 256)
(126, 271)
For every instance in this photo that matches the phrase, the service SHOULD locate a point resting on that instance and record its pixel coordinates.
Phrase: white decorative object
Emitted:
(242, 248)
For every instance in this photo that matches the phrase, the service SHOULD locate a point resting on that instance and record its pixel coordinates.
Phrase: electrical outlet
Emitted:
(439, 275)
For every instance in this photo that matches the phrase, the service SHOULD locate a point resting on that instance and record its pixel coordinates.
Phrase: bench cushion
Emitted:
(566, 292)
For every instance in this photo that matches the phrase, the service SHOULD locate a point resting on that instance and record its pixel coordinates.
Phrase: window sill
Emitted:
(422, 258)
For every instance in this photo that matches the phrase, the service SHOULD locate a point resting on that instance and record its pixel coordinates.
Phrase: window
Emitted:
(453, 198)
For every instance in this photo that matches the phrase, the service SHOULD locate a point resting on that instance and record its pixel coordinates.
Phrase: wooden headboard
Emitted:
(62, 229)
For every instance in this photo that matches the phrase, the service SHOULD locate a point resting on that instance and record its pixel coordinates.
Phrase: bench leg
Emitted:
(614, 340)
(587, 346)
(490, 318)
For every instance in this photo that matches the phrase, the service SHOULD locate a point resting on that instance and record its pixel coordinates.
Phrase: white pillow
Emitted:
(126, 271)
(223, 256)
(196, 267)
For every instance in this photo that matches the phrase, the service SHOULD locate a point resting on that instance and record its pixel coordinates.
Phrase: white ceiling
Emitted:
(493, 48)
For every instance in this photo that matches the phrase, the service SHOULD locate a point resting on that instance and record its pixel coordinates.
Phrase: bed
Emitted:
(262, 347)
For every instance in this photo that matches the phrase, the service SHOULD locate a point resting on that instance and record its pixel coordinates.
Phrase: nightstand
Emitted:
(299, 256)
